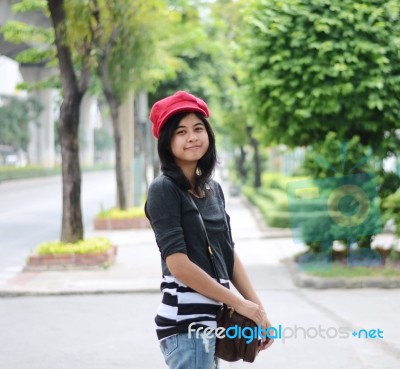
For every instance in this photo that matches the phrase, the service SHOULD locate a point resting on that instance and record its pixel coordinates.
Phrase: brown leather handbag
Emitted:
(232, 349)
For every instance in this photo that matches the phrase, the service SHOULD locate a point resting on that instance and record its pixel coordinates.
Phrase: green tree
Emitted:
(188, 42)
(325, 72)
(15, 116)
(125, 35)
(74, 60)
(325, 65)
(107, 37)
(61, 45)
(223, 28)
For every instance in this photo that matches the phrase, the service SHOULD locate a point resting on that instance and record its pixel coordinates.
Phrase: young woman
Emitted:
(176, 199)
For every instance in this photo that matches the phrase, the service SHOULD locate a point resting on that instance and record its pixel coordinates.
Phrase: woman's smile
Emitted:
(197, 147)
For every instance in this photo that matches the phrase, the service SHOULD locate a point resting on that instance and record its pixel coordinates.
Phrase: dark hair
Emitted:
(205, 165)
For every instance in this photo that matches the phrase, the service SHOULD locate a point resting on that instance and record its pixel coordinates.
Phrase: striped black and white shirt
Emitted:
(178, 228)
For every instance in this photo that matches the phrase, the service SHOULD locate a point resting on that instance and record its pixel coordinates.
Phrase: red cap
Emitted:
(181, 101)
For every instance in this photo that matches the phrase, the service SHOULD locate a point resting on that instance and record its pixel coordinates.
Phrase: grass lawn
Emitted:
(343, 271)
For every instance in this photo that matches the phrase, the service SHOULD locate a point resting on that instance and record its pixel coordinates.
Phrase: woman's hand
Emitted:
(256, 313)
(265, 342)
(251, 310)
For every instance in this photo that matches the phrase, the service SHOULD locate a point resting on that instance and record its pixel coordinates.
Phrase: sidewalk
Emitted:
(137, 269)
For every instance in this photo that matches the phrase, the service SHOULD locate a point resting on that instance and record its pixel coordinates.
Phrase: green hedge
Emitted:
(276, 196)
(7, 173)
(272, 207)
(88, 246)
(278, 180)
(272, 201)
(11, 173)
(353, 272)
(391, 207)
(134, 212)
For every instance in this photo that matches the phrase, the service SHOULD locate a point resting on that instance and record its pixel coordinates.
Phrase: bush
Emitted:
(89, 246)
(134, 212)
(273, 180)
(277, 197)
(272, 215)
(272, 200)
(391, 206)
(278, 219)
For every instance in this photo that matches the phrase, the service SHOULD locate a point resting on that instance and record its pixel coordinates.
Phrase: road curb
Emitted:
(37, 293)
(303, 280)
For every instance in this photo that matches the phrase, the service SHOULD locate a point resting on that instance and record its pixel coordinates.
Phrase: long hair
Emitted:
(205, 165)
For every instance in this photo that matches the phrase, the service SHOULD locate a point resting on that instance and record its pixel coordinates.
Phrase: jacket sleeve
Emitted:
(163, 209)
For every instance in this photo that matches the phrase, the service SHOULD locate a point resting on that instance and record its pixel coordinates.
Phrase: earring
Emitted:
(198, 171)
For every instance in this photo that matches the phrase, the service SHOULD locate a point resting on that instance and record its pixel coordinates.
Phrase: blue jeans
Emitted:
(182, 352)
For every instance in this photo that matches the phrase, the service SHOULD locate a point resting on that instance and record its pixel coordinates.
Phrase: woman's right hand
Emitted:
(256, 313)
(252, 311)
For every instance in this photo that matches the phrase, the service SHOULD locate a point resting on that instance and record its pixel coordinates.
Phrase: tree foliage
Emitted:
(123, 34)
(15, 116)
(236, 124)
(38, 39)
(187, 40)
(325, 65)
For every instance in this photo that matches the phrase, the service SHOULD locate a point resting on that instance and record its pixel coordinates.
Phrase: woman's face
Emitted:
(190, 140)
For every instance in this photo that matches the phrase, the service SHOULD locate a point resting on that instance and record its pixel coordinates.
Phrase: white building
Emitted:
(10, 77)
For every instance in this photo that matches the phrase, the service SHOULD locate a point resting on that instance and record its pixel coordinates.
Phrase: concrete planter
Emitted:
(130, 223)
(71, 262)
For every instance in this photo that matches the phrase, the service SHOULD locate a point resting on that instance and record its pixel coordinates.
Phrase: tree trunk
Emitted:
(241, 164)
(72, 227)
(155, 159)
(140, 140)
(73, 91)
(257, 160)
(257, 164)
(114, 105)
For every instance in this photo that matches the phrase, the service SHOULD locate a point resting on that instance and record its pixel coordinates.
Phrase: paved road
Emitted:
(30, 212)
(89, 332)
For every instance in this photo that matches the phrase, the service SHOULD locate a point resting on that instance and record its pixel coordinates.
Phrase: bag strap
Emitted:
(209, 248)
